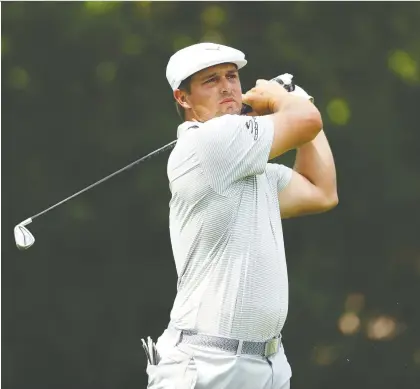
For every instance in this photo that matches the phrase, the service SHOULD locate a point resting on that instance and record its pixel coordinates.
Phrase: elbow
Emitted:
(330, 202)
(313, 121)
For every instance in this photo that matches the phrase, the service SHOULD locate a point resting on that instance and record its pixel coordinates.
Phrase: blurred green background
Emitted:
(84, 93)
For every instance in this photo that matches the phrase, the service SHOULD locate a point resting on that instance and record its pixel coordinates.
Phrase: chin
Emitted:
(230, 111)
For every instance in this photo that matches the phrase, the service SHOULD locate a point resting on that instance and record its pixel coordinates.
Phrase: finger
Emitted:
(261, 82)
(246, 100)
(247, 97)
(251, 90)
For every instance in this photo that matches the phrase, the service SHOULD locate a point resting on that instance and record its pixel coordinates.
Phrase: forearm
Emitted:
(296, 122)
(315, 161)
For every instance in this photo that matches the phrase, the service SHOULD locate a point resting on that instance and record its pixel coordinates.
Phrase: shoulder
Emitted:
(231, 126)
(232, 121)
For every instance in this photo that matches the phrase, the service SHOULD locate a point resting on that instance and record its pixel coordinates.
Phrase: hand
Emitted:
(264, 97)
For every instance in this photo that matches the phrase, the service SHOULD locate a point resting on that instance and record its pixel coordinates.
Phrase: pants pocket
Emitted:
(176, 370)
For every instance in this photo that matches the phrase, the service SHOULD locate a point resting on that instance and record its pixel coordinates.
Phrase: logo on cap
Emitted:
(212, 48)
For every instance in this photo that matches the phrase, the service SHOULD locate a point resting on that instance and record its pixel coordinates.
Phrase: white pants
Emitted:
(186, 366)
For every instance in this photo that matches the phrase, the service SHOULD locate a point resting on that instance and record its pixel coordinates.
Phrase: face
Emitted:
(215, 91)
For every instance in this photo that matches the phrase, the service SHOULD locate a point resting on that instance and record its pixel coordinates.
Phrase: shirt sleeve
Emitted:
(278, 175)
(233, 147)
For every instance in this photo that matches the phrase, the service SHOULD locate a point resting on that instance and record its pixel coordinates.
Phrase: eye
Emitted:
(210, 80)
(232, 76)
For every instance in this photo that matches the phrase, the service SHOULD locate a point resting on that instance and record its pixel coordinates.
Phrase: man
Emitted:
(225, 221)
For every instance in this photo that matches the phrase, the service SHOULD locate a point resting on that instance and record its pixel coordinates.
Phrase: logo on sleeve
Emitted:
(252, 124)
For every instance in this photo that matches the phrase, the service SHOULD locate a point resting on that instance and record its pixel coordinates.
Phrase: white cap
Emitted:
(192, 59)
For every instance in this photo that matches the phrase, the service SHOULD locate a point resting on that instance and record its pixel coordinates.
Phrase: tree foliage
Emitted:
(84, 93)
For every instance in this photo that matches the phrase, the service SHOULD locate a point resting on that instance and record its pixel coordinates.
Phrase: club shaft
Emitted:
(153, 153)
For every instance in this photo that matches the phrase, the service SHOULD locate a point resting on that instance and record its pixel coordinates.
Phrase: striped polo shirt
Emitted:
(226, 230)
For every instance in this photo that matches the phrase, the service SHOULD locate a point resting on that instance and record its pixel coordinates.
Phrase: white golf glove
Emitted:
(298, 91)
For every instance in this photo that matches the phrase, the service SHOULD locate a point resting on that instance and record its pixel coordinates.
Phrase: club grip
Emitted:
(289, 87)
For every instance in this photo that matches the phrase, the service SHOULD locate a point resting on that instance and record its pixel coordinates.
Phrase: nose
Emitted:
(225, 86)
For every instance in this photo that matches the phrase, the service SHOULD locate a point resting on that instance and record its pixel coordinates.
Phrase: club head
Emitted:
(23, 238)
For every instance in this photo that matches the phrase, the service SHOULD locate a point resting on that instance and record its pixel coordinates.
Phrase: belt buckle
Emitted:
(271, 347)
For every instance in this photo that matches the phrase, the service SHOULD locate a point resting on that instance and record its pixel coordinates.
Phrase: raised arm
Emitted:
(297, 124)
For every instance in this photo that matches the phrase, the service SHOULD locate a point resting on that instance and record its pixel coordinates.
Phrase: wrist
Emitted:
(277, 103)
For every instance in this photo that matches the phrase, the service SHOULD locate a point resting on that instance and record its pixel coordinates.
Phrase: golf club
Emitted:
(23, 237)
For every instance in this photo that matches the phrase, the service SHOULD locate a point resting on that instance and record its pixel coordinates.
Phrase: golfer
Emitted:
(225, 221)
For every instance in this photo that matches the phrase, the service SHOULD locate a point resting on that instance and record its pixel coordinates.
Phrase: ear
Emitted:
(181, 98)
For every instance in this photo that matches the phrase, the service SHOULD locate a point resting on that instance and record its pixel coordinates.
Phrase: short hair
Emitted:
(186, 86)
